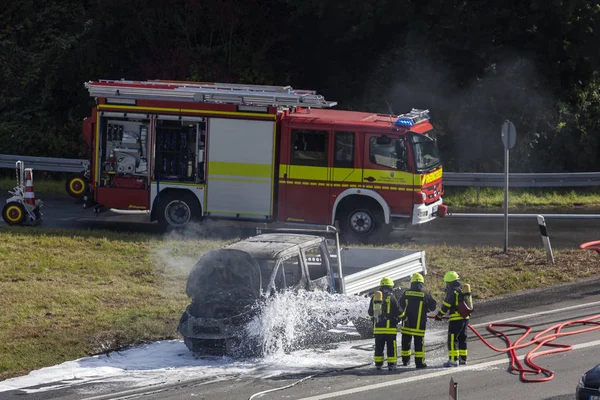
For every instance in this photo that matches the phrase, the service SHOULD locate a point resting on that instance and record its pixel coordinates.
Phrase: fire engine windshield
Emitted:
(425, 150)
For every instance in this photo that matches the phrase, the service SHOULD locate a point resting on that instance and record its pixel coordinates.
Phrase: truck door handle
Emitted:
(369, 178)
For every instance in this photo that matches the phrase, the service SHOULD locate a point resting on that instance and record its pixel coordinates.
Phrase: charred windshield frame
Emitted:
(425, 151)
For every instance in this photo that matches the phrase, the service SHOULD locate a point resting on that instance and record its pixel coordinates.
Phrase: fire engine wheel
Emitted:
(363, 225)
(77, 186)
(177, 211)
(13, 213)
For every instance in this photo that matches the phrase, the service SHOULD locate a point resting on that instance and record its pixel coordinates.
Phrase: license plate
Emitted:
(434, 209)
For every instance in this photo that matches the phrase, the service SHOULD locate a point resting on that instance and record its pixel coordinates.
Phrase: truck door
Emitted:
(319, 277)
(346, 171)
(386, 170)
(308, 176)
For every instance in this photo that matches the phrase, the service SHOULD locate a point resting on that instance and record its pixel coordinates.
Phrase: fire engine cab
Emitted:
(186, 151)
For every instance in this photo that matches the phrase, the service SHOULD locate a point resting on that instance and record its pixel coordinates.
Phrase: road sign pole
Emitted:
(509, 137)
(506, 158)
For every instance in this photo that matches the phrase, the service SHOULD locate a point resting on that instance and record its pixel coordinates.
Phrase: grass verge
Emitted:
(69, 294)
(522, 198)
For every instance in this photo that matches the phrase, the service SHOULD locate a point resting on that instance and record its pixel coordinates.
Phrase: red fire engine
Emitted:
(187, 151)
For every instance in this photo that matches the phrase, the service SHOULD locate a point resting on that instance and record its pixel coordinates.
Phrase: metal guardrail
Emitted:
(44, 163)
(472, 179)
(469, 179)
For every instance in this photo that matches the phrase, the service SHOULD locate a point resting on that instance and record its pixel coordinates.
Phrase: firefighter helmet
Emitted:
(451, 276)
(385, 281)
(417, 277)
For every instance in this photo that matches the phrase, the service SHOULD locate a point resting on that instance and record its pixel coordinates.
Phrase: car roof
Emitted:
(271, 245)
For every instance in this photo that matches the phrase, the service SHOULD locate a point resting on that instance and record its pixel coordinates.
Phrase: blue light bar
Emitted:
(404, 122)
(412, 118)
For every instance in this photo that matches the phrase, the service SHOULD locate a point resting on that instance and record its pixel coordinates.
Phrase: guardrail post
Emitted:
(545, 238)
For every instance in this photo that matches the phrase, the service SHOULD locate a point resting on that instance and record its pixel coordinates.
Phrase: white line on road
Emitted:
(447, 371)
(536, 314)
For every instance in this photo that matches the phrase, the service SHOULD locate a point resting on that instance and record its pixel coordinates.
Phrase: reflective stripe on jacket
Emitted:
(416, 304)
(450, 304)
(387, 323)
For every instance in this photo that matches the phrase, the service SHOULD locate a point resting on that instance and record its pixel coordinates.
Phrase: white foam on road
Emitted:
(166, 362)
(171, 361)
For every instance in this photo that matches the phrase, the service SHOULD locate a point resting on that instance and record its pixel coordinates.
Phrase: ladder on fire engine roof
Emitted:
(208, 92)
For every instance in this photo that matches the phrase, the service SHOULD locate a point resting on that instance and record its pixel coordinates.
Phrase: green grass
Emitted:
(69, 294)
(40, 186)
(522, 198)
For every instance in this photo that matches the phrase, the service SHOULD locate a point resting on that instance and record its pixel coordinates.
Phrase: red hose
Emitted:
(541, 339)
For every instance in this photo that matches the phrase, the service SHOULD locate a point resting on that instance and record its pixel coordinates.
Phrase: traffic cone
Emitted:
(29, 195)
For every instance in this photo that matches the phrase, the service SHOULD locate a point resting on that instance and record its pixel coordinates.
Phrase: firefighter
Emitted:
(416, 303)
(385, 314)
(457, 327)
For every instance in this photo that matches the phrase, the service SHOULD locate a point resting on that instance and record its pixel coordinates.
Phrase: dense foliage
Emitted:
(473, 64)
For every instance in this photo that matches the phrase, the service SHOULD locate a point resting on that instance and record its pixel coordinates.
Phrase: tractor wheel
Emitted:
(77, 186)
(13, 213)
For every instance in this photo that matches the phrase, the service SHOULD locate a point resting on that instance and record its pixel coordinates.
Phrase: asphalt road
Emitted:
(63, 212)
(486, 375)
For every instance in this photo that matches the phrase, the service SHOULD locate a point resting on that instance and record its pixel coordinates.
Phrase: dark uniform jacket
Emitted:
(387, 323)
(450, 304)
(416, 303)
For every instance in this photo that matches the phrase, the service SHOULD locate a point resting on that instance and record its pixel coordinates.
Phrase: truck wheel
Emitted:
(177, 210)
(77, 186)
(13, 213)
(363, 225)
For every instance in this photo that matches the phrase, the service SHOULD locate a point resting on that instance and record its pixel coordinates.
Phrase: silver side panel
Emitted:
(240, 168)
(364, 268)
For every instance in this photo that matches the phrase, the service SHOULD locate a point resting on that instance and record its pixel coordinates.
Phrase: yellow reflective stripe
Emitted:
(185, 110)
(414, 294)
(405, 353)
(353, 176)
(308, 172)
(419, 314)
(413, 332)
(385, 331)
(462, 352)
(239, 169)
(447, 304)
(433, 176)
(419, 354)
(378, 358)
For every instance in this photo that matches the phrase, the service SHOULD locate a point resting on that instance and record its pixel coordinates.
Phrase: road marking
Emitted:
(446, 371)
(529, 315)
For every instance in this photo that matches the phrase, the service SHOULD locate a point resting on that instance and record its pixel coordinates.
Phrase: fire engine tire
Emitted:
(177, 209)
(13, 213)
(77, 186)
(363, 225)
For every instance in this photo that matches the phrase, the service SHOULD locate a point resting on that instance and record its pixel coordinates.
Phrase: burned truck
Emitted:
(227, 286)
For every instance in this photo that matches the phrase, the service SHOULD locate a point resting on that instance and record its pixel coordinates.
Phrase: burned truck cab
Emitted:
(226, 286)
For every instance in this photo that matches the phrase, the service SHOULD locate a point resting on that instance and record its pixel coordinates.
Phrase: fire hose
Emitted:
(541, 339)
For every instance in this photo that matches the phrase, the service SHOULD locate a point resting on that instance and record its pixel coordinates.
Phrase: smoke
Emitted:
(469, 99)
